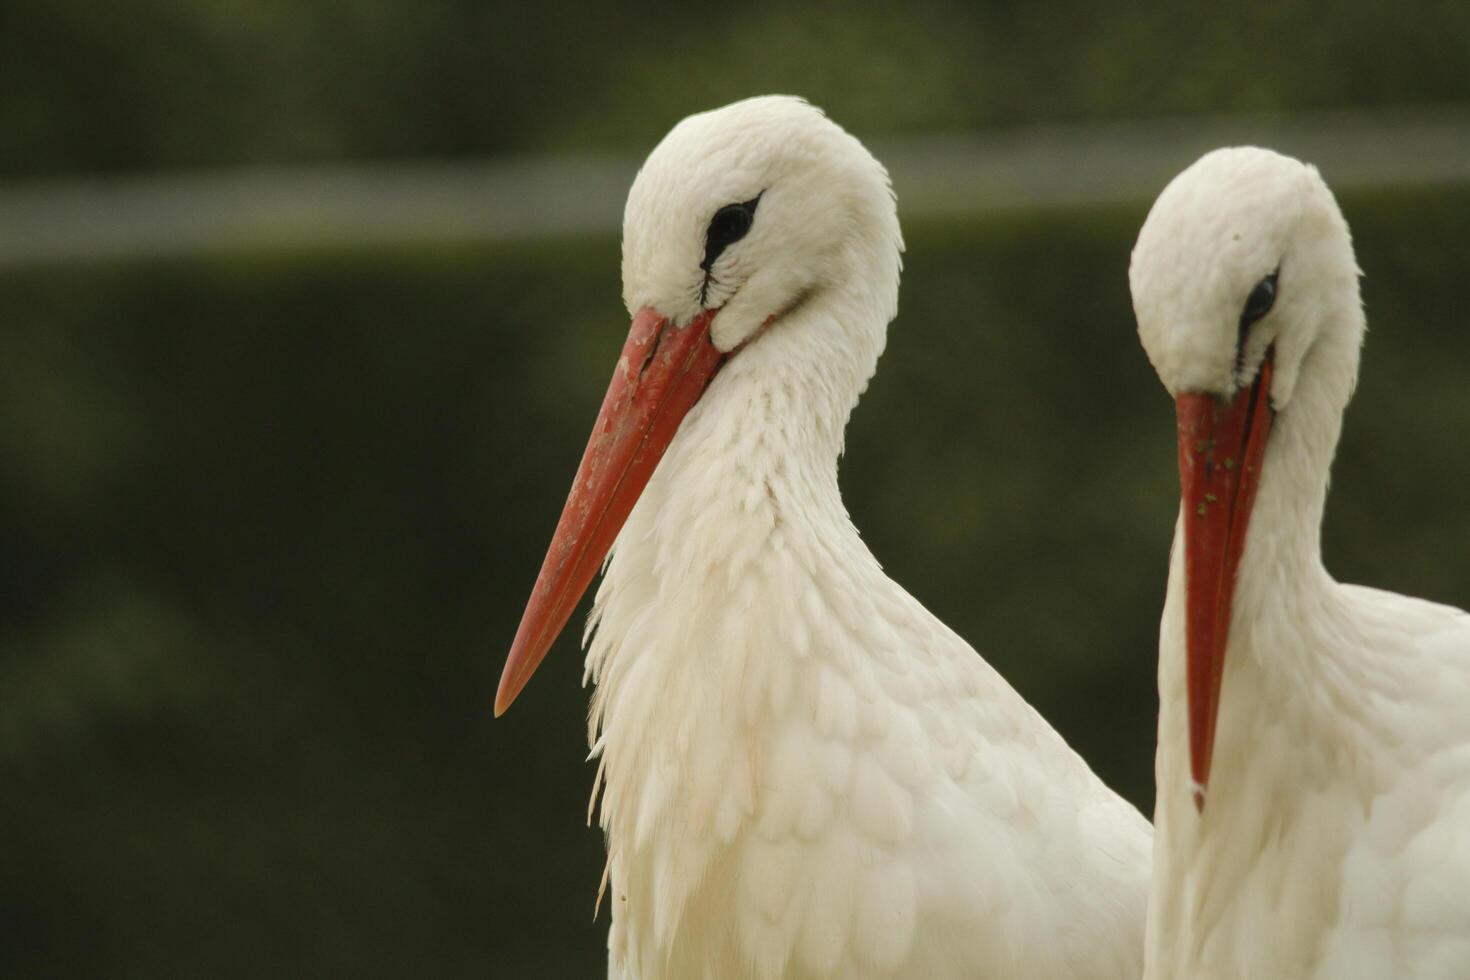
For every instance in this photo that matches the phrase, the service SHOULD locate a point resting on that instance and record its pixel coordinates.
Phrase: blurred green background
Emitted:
(268, 515)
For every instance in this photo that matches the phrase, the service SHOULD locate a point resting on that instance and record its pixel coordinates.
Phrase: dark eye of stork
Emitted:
(1257, 305)
(1259, 302)
(728, 226)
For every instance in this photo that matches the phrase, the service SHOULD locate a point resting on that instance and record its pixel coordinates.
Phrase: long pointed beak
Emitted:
(1221, 445)
(663, 371)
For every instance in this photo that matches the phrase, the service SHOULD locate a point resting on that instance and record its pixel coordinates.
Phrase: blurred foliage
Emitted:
(269, 524)
(88, 85)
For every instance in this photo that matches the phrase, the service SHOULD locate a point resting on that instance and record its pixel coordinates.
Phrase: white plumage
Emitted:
(1334, 839)
(804, 773)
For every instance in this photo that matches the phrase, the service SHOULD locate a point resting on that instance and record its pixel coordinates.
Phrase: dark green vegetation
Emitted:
(269, 525)
(87, 85)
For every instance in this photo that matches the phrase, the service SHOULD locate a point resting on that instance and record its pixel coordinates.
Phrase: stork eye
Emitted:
(1260, 301)
(729, 225)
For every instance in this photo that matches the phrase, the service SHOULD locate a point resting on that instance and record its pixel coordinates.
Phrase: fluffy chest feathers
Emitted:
(806, 775)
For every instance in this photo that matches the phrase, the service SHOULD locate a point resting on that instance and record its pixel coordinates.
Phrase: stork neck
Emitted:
(1283, 554)
(773, 420)
(804, 377)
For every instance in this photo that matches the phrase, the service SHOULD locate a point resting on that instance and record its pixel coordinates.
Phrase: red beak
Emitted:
(662, 373)
(1221, 446)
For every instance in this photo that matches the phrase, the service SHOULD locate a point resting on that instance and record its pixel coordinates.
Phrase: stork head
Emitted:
(1242, 267)
(737, 217)
(746, 210)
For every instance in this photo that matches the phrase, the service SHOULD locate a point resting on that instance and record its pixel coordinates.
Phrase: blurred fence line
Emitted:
(938, 178)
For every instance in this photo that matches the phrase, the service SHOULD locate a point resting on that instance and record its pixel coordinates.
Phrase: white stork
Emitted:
(805, 774)
(1313, 765)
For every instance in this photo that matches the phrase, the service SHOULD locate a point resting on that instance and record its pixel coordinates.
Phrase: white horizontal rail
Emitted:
(938, 178)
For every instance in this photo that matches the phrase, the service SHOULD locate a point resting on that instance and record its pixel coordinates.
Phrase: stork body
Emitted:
(805, 774)
(1319, 825)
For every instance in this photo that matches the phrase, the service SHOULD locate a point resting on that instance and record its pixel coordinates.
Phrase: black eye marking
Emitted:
(1257, 305)
(1260, 301)
(728, 226)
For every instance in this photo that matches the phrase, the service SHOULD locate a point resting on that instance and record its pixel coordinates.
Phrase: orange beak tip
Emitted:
(512, 681)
